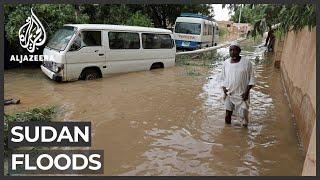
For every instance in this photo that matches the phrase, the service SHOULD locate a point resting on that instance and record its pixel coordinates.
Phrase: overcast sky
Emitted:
(219, 13)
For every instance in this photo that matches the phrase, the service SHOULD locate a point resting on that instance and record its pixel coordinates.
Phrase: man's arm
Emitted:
(225, 90)
(252, 82)
(223, 78)
(268, 37)
(245, 95)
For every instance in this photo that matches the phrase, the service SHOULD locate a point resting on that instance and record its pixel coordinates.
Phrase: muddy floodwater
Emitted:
(171, 121)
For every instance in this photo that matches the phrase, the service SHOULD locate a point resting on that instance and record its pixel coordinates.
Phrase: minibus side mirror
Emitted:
(75, 46)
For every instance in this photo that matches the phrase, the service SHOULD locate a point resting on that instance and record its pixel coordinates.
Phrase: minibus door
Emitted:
(87, 50)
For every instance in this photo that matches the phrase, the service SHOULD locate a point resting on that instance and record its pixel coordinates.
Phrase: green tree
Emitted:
(52, 16)
(138, 19)
(116, 14)
(164, 14)
(289, 17)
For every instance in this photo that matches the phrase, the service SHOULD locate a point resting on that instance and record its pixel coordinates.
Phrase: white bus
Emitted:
(193, 31)
(89, 51)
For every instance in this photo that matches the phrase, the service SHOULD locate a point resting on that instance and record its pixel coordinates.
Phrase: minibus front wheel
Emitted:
(90, 73)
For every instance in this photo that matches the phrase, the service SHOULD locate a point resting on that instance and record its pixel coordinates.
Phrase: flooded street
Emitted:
(171, 121)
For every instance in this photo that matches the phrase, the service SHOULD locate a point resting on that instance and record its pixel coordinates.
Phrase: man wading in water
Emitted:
(237, 80)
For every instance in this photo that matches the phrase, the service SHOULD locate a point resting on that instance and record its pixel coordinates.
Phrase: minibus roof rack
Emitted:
(195, 16)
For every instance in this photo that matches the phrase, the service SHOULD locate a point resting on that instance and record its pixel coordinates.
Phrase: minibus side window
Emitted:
(157, 41)
(91, 38)
(85, 39)
(124, 40)
(76, 44)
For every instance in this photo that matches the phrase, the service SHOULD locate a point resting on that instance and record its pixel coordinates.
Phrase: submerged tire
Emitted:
(90, 74)
(157, 66)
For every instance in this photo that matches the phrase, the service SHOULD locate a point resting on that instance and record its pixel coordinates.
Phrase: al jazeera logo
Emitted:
(32, 35)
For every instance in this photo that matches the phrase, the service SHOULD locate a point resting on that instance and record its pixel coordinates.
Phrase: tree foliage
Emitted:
(296, 17)
(53, 16)
(138, 19)
(164, 14)
(262, 16)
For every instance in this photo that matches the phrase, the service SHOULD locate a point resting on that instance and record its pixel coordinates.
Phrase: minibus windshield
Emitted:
(61, 38)
(188, 28)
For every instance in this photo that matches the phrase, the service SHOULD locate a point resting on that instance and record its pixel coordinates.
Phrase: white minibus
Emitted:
(90, 51)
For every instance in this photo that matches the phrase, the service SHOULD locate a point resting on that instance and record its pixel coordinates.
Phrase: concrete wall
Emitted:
(309, 167)
(298, 69)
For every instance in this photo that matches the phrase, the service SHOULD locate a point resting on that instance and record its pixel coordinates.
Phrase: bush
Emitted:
(223, 31)
(138, 19)
(32, 115)
(52, 17)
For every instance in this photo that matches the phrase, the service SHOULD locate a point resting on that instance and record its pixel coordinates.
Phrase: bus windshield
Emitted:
(61, 38)
(188, 28)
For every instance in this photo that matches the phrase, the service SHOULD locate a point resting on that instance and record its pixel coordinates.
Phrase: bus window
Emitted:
(124, 40)
(205, 31)
(156, 41)
(210, 29)
(188, 28)
(86, 39)
(91, 38)
(166, 41)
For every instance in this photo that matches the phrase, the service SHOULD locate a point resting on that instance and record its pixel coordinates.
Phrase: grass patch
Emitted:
(198, 63)
(191, 71)
(45, 114)
(204, 59)
(223, 31)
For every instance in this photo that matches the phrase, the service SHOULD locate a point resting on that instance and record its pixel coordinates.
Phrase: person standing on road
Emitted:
(237, 80)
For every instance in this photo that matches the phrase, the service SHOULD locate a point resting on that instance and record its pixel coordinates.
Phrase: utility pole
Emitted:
(241, 6)
(240, 14)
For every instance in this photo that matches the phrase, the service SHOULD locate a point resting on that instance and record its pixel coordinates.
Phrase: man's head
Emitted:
(234, 50)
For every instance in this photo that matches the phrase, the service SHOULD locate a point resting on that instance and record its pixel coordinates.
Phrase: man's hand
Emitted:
(245, 95)
(225, 91)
